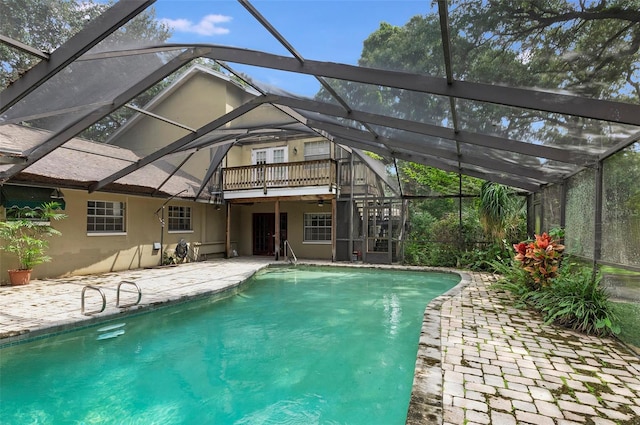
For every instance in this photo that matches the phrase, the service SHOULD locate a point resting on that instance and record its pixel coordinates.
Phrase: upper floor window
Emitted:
(317, 150)
(270, 155)
(179, 218)
(105, 216)
(317, 227)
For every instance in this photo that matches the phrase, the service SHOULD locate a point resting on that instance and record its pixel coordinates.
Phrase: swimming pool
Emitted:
(298, 346)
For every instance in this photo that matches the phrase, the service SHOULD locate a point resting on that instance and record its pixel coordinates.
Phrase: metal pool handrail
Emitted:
(118, 294)
(288, 245)
(104, 300)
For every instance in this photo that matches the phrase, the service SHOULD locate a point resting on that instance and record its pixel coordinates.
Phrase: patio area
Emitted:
(497, 364)
(503, 365)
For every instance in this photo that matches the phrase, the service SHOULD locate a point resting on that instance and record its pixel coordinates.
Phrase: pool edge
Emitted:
(425, 404)
(115, 314)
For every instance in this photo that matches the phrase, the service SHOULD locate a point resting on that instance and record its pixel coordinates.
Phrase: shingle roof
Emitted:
(79, 163)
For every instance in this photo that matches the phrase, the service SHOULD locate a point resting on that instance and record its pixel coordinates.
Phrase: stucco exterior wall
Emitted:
(77, 252)
(187, 106)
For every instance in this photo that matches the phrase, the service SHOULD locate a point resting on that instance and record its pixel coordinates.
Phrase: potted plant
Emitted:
(26, 238)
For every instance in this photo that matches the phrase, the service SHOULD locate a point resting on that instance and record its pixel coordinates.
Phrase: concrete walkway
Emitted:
(493, 363)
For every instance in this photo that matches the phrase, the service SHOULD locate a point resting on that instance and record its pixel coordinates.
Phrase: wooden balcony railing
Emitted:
(289, 174)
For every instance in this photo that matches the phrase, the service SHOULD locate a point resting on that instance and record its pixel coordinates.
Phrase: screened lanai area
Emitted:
(542, 98)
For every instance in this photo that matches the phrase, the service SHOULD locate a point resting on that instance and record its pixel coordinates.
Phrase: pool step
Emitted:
(111, 331)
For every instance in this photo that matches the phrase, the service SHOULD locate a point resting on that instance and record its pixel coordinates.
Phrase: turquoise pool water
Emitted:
(297, 346)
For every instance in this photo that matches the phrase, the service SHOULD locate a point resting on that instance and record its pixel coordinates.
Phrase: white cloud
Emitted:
(208, 25)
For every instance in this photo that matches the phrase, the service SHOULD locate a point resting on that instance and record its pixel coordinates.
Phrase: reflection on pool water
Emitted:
(297, 346)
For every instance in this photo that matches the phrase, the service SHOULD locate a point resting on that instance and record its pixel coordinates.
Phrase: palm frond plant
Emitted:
(501, 211)
(27, 238)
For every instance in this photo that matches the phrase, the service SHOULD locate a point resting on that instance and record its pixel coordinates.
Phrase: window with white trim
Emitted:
(317, 150)
(105, 217)
(317, 227)
(179, 218)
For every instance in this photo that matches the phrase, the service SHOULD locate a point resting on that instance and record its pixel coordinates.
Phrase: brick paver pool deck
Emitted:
(503, 365)
(481, 360)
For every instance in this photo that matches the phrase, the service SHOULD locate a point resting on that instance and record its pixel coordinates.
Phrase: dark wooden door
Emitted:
(264, 225)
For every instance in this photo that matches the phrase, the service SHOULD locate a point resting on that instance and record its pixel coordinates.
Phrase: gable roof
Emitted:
(180, 81)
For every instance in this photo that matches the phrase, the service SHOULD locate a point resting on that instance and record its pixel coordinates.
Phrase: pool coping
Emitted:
(425, 404)
(77, 322)
(111, 315)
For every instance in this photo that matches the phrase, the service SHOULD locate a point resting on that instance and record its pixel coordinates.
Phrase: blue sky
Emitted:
(327, 30)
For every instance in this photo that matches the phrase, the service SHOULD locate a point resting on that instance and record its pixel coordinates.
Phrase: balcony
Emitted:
(282, 175)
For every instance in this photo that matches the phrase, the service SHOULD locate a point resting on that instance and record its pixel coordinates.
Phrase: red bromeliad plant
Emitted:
(540, 258)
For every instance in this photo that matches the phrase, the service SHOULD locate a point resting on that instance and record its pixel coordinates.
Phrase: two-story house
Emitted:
(266, 164)
(221, 193)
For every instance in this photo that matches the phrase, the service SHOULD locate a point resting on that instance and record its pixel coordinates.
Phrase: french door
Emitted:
(274, 155)
(264, 225)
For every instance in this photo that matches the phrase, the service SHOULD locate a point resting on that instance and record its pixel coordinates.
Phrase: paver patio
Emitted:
(497, 364)
(503, 365)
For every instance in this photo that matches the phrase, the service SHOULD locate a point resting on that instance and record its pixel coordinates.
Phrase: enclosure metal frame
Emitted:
(526, 178)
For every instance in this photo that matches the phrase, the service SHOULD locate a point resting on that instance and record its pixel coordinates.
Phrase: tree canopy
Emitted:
(46, 24)
(589, 48)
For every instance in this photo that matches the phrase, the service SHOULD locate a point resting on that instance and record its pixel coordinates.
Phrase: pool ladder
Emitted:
(104, 297)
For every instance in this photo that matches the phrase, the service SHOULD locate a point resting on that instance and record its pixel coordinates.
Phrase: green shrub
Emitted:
(430, 254)
(481, 259)
(514, 279)
(576, 299)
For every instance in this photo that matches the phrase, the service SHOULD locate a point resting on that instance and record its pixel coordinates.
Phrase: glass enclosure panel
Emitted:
(419, 142)
(223, 22)
(20, 138)
(398, 103)
(165, 176)
(273, 81)
(505, 178)
(325, 30)
(552, 207)
(421, 180)
(29, 136)
(580, 135)
(144, 138)
(439, 230)
(580, 214)
(316, 30)
(265, 117)
(85, 84)
(14, 62)
(580, 47)
(511, 163)
(41, 25)
(621, 207)
(536, 211)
